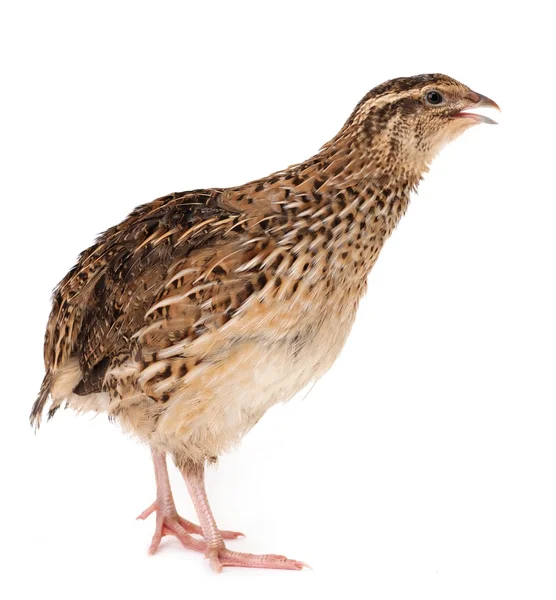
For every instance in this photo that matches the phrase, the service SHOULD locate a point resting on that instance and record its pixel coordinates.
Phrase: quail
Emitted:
(198, 312)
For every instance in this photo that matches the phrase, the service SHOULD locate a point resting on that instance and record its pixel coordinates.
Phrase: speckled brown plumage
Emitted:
(202, 309)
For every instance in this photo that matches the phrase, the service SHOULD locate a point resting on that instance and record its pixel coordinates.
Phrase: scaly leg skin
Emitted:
(216, 551)
(168, 522)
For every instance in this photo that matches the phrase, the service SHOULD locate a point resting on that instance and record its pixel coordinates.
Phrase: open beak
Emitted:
(478, 101)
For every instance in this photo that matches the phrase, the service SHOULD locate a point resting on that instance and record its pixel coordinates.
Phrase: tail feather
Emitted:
(40, 402)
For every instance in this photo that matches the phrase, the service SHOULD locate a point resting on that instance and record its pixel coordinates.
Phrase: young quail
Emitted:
(203, 309)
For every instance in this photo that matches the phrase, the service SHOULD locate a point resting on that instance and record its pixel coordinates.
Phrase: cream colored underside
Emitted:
(224, 397)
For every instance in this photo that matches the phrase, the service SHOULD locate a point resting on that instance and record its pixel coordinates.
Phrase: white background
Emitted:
(424, 464)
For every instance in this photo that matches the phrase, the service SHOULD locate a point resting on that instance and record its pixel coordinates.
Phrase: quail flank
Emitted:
(203, 309)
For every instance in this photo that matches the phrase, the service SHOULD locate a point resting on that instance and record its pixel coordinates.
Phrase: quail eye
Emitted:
(434, 97)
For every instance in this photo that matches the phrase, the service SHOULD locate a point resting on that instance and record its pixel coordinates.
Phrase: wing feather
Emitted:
(103, 300)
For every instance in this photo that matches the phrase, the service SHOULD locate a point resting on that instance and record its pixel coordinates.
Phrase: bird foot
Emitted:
(168, 522)
(222, 557)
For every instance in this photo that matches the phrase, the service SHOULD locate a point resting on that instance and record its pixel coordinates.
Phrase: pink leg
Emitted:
(168, 522)
(216, 551)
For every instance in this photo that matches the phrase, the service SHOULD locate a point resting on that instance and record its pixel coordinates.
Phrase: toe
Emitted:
(231, 535)
(147, 512)
(157, 537)
(193, 528)
(229, 558)
(214, 560)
